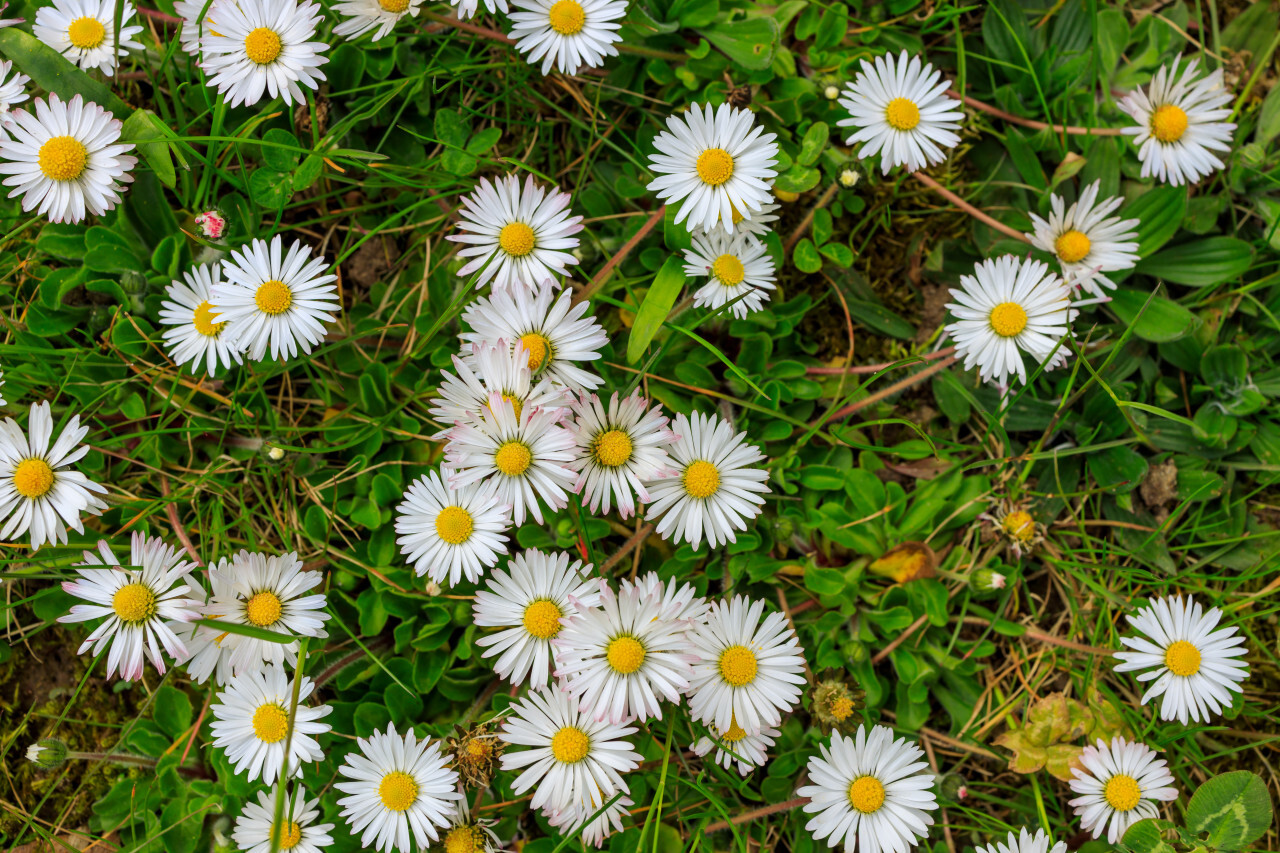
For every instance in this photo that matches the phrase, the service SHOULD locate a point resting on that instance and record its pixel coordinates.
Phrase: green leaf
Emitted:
(815, 139)
(798, 179)
(59, 283)
(172, 710)
(1233, 808)
(751, 43)
(62, 240)
(805, 256)
(146, 131)
(1146, 836)
(1159, 213)
(1200, 263)
(53, 72)
(280, 153)
(245, 631)
(822, 581)
(1162, 320)
(880, 319)
(657, 305)
(1120, 469)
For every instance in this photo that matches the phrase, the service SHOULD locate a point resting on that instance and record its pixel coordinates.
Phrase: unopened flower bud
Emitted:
(212, 224)
(831, 92)
(49, 753)
(849, 178)
(986, 582)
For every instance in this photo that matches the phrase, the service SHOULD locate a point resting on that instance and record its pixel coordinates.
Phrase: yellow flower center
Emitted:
(567, 17)
(612, 448)
(464, 839)
(203, 321)
(569, 745)
(263, 609)
(1020, 525)
(134, 603)
(729, 270)
(1168, 123)
(86, 33)
(270, 723)
(1182, 659)
(395, 7)
(273, 297)
(902, 114)
(542, 619)
(1008, 319)
(290, 839)
(625, 655)
(513, 458)
(1072, 246)
(841, 708)
(701, 479)
(538, 348)
(398, 791)
(33, 478)
(478, 749)
(454, 525)
(738, 665)
(517, 238)
(735, 733)
(866, 794)
(262, 46)
(1122, 793)
(63, 158)
(715, 166)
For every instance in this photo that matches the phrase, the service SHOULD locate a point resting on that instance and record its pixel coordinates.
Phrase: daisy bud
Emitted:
(986, 582)
(849, 178)
(212, 224)
(49, 753)
(831, 93)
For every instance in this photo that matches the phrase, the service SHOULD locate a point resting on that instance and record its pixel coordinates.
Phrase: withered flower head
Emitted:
(835, 705)
(475, 752)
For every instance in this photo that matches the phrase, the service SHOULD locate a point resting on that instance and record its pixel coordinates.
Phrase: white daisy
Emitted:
(66, 159)
(759, 225)
(208, 651)
(552, 329)
(272, 300)
(527, 601)
(1180, 123)
(523, 458)
(749, 751)
(486, 368)
(251, 719)
(871, 791)
(1025, 842)
(263, 46)
(9, 22)
(13, 90)
(567, 33)
(739, 266)
(622, 657)
(193, 336)
(717, 163)
(1007, 307)
(575, 819)
(378, 15)
(618, 450)
(84, 31)
(572, 758)
(516, 237)
(678, 602)
(38, 491)
(266, 592)
(713, 491)
(900, 112)
(1120, 784)
(195, 23)
(298, 834)
(466, 834)
(1192, 662)
(467, 8)
(747, 670)
(1086, 240)
(143, 604)
(399, 784)
(448, 534)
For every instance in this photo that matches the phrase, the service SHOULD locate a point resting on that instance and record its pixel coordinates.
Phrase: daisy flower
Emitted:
(66, 159)
(299, 833)
(266, 592)
(759, 225)
(516, 237)
(567, 33)
(900, 111)
(208, 651)
(9, 22)
(1086, 240)
(467, 8)
(1120, 784)
(622, 657)
(551, 328)
(739, 266)
(488, 368)
(527, 601)
(1192, 662)
(466, 834)
(616, 450)
(193, 336)
(84, 31)
(572, 759)
(716, 163)
(13, 90)
(398, 784)
(281, 302)
(712, 491)
(871, 791)
(1007, 307)
(522, 458)
(38, 491)
(263, 46)
(749, 751)
(678, 602)
(1025, 842)
(747, 669)
(251, 719)
(447, 533)
(1180, 123)
(143, 604)
(195, 24)
(575, 819)
(378, 15)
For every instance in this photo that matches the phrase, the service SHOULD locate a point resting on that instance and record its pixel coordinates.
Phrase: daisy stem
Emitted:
(638, 537)
(764, 811)
(135, 761)
(822, 202)
(599, 279)
(968, 208)
(895, 388)
(1070, 130)
(876, 368)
